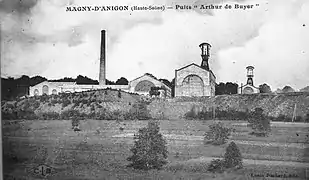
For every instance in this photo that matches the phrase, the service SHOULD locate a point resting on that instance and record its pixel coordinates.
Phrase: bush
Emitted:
(49, 116)
(259, 123)
(217, 134)
(191, 114)
(149, 150)
(232, 156)
(65, 102)
(216, 165)
(208, 114)
(72, 114)
(138, 111)
(232, 159)
(75, 122)
(119, 94)
(307, 118)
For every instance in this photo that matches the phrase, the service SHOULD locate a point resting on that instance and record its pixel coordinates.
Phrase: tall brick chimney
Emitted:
(102, 74)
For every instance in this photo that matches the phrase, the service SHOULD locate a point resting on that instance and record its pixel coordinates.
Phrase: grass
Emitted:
(105, 156)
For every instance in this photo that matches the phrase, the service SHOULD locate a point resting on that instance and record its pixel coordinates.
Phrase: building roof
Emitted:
(249, 85)
(61, 83)
(153, 77)
(197, 66)
(57, 83)
(249, 67)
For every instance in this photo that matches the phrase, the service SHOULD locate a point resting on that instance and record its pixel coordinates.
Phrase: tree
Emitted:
(287, 89)
(220, 88)
(122, 81)
(149, 150)
(232, 156)
(173, 87)
(259, 123)
(226, 88)
(154, 91)
(264, 88)
(231, 88)
(305, 89)
(119, 94)
(217, 134)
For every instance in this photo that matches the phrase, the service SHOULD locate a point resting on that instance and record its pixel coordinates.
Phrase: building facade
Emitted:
(249, 87)
(194, 80)
(141, 85)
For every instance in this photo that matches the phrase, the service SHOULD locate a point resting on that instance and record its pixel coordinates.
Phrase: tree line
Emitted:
(12, 88)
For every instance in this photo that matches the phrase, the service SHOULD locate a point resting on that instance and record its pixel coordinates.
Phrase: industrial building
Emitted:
(195, 80)
(140, 85)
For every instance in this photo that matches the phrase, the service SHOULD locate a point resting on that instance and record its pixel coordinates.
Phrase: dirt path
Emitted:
(200, 138)
(279, 124)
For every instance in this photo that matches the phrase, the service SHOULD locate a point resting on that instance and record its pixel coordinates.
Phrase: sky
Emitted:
(38, 37)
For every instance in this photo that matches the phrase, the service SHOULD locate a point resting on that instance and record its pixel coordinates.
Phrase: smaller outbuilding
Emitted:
(249, 88)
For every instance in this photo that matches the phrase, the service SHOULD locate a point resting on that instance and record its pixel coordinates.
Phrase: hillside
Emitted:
(274, 105)
(114, 104)
(100, 104)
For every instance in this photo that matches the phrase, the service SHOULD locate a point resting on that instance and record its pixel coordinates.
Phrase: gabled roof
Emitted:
(57, 83)
(249, 85)
(151, 76)
(195, 65)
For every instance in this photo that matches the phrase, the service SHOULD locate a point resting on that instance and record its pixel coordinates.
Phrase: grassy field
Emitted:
(100, 150)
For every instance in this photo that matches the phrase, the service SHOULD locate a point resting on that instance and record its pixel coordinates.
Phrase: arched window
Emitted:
(54, 91)
(248, 90)
(45, 90)
(36, 92)
(193, 86)
(144, 86)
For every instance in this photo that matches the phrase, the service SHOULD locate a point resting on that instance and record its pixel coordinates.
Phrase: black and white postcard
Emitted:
(154, 89)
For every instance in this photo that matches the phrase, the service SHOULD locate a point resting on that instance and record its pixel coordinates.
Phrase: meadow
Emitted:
(100, 150)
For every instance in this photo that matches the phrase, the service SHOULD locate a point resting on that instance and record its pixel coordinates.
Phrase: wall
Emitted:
(72, 88)
(207, 77)
(40, 86)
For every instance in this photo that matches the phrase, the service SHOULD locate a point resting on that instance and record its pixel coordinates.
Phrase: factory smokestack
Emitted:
(102, 80)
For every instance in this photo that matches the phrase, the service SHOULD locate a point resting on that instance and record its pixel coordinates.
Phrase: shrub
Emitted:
(298, 119)
(259, 123)
(138, 111)
(72, 114)
(191, 114)
(49, 116)
(217, 134)
(65, 102)
(75, 122)
(307, 118)
(232, 156)
(119, 94)
(216, 165)
(26, 114)
(208, 114)
(149, 150)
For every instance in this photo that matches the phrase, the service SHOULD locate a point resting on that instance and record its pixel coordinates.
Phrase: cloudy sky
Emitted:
(38, 37)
